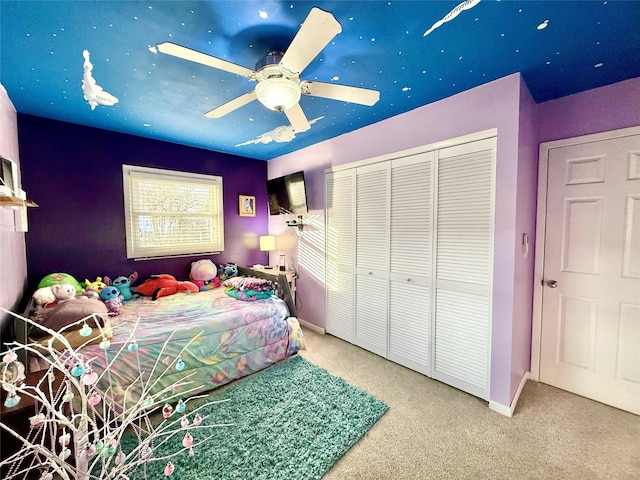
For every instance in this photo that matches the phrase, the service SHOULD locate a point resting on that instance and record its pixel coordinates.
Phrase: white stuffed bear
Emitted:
(63, 292)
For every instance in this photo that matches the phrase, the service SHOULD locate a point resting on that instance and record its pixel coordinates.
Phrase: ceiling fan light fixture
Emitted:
(278, 93)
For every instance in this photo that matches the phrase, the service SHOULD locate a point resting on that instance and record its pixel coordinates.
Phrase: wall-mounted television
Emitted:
(287, 194)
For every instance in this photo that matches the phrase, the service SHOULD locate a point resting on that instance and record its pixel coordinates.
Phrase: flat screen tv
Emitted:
(287, 194)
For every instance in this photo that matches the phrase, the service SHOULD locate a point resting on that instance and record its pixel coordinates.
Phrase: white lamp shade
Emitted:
(267, 243)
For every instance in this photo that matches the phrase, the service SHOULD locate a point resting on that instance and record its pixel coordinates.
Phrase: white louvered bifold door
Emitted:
(410, 306)
(340, 254)
(464, 236)
(372, 256)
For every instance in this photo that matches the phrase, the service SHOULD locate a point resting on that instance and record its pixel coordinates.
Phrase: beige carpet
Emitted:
(433, 431)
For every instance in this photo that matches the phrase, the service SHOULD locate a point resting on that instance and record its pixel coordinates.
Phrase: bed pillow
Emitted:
(69, 312)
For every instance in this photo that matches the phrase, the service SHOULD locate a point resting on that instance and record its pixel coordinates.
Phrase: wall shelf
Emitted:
(16, 202)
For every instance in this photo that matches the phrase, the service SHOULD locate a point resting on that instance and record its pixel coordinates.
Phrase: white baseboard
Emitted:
(508, 410)
(311, 326)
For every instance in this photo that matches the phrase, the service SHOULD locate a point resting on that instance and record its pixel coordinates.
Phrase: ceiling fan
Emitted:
(279, 86)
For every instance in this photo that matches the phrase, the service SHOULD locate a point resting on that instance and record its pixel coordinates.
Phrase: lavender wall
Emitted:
(494, 105)
(13, 265)
(599, 110)
(75, 174)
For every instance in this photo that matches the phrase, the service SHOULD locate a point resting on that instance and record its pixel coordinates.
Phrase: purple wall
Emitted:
(75, 174)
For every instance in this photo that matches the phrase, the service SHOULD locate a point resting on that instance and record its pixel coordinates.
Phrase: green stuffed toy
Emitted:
(58, 279)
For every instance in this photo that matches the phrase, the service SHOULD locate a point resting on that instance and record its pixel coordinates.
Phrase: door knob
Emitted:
(552, 284)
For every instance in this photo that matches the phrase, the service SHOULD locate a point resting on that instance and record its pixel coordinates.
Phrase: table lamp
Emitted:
(267, 244)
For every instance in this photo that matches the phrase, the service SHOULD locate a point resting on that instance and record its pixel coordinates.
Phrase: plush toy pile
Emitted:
(249, 288)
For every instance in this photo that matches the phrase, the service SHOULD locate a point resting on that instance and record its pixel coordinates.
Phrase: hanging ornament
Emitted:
(133, 346)
(12, 400)
(187, 441)
(89, 378)
(120, 458)
(167, 410)
(184, 422)
(180, 365)
(169, 469)
(180, 407)
(192, 453)
(94, 399)
(77, 370)
(197, 420)
(68, 393)
(86, 330)
(145, 452)
(99, 446)
(64, 439)
(105, 344)
(64, 454)
(166, 361)
(148, 403)
(9, 357)
(37, 419)
(90, 450)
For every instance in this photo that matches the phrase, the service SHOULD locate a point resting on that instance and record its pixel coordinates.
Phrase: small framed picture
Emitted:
(247, 205)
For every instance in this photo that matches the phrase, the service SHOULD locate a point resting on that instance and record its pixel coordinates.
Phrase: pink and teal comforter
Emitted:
(205, 339)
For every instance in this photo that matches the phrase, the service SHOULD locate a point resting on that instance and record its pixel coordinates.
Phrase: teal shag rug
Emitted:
(291, 421)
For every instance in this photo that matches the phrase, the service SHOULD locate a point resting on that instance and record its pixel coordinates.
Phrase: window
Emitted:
(171, 213)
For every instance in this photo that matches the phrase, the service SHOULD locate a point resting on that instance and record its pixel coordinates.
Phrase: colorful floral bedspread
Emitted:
(202, 340)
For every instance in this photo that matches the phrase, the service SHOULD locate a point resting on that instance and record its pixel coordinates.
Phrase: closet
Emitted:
(409, 242)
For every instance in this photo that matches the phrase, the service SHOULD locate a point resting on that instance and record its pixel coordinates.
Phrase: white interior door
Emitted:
(590, 326)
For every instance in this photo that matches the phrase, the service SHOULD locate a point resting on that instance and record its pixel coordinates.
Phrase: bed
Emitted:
(202, 340)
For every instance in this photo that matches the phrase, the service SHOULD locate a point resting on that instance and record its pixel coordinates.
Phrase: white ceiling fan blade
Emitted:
(297, 118)
(315, 33)
(234, 104)
(204, 59)
(345, 93)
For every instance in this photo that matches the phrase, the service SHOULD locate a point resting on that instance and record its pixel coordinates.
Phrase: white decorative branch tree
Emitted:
(82, 431)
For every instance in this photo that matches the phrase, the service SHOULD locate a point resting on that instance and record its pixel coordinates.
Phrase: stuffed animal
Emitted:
(63, 292)
(111, 297)
(91, 293)
(227, 271)
(123, 284)
(58, 278)
(204, 274)
(97, 285)
(163, 285)
(43, 296)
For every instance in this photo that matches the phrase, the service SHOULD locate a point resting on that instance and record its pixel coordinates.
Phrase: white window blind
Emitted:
(171, 213)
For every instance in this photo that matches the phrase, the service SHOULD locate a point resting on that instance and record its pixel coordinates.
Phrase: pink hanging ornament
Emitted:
(64, 439)
(94, 399)
(89, 378)
(169, 469)
(166, 411)
(9, 357)
(187, 441)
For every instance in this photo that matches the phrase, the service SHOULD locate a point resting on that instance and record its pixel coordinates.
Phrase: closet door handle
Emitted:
(408, 279)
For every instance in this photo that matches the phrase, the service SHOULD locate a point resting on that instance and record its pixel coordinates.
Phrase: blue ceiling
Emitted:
(560, 47)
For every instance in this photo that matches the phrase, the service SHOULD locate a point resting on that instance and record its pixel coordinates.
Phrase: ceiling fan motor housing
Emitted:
(275, 90)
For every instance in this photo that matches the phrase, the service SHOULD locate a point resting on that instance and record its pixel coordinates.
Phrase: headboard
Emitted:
(283, 292)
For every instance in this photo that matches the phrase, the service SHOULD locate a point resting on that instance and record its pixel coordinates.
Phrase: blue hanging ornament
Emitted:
(133, 346)
(105, 344)
(179, 365)
(86, 330)
(77, 370)
(180, 406)
(12, 400)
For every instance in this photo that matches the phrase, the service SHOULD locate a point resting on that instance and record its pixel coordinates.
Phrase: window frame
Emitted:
(214, 182)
